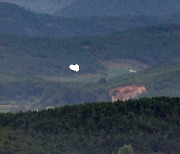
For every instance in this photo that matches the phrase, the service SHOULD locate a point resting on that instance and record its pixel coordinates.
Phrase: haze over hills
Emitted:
(41, 6)
(120, 8)
(17, 20)
(76, 8)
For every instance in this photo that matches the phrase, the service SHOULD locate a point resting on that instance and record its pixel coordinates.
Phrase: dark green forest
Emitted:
(148, 125)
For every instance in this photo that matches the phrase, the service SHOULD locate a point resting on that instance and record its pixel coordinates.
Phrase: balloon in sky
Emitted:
(74, 67)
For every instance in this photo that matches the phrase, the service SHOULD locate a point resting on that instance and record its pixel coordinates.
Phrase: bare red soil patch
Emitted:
(126, 92)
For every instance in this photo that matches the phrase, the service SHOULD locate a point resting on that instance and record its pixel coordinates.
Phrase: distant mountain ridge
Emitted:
(41, 6)
(120, 8)
(19, 21)
(79, 8)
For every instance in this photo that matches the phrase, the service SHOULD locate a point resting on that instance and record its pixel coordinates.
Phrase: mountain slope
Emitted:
(157, 82)
(20, 92)
(46, 58)
(153, 45)
(120, 8)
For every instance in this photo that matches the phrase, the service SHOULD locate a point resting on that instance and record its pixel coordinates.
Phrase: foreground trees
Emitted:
(126, 149)
(148, 125)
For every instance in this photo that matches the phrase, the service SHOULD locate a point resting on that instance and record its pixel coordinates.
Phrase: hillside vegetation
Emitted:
(35, 74)
(49, 56)
(160, 82)
(149, 125)
(19, 92)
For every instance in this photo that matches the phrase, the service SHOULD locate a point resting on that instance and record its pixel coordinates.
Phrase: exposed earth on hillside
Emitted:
(126, 92)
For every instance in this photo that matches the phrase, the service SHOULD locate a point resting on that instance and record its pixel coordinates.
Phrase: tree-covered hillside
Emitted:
(149, 125)
(19, 21)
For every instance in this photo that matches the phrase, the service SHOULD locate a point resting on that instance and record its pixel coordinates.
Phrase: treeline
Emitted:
(148, 125)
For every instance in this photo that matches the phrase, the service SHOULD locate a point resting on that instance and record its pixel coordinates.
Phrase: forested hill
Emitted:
(17, 20)
(149, 125)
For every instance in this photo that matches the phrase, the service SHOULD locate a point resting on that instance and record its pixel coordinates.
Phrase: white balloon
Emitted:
(74, 67)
